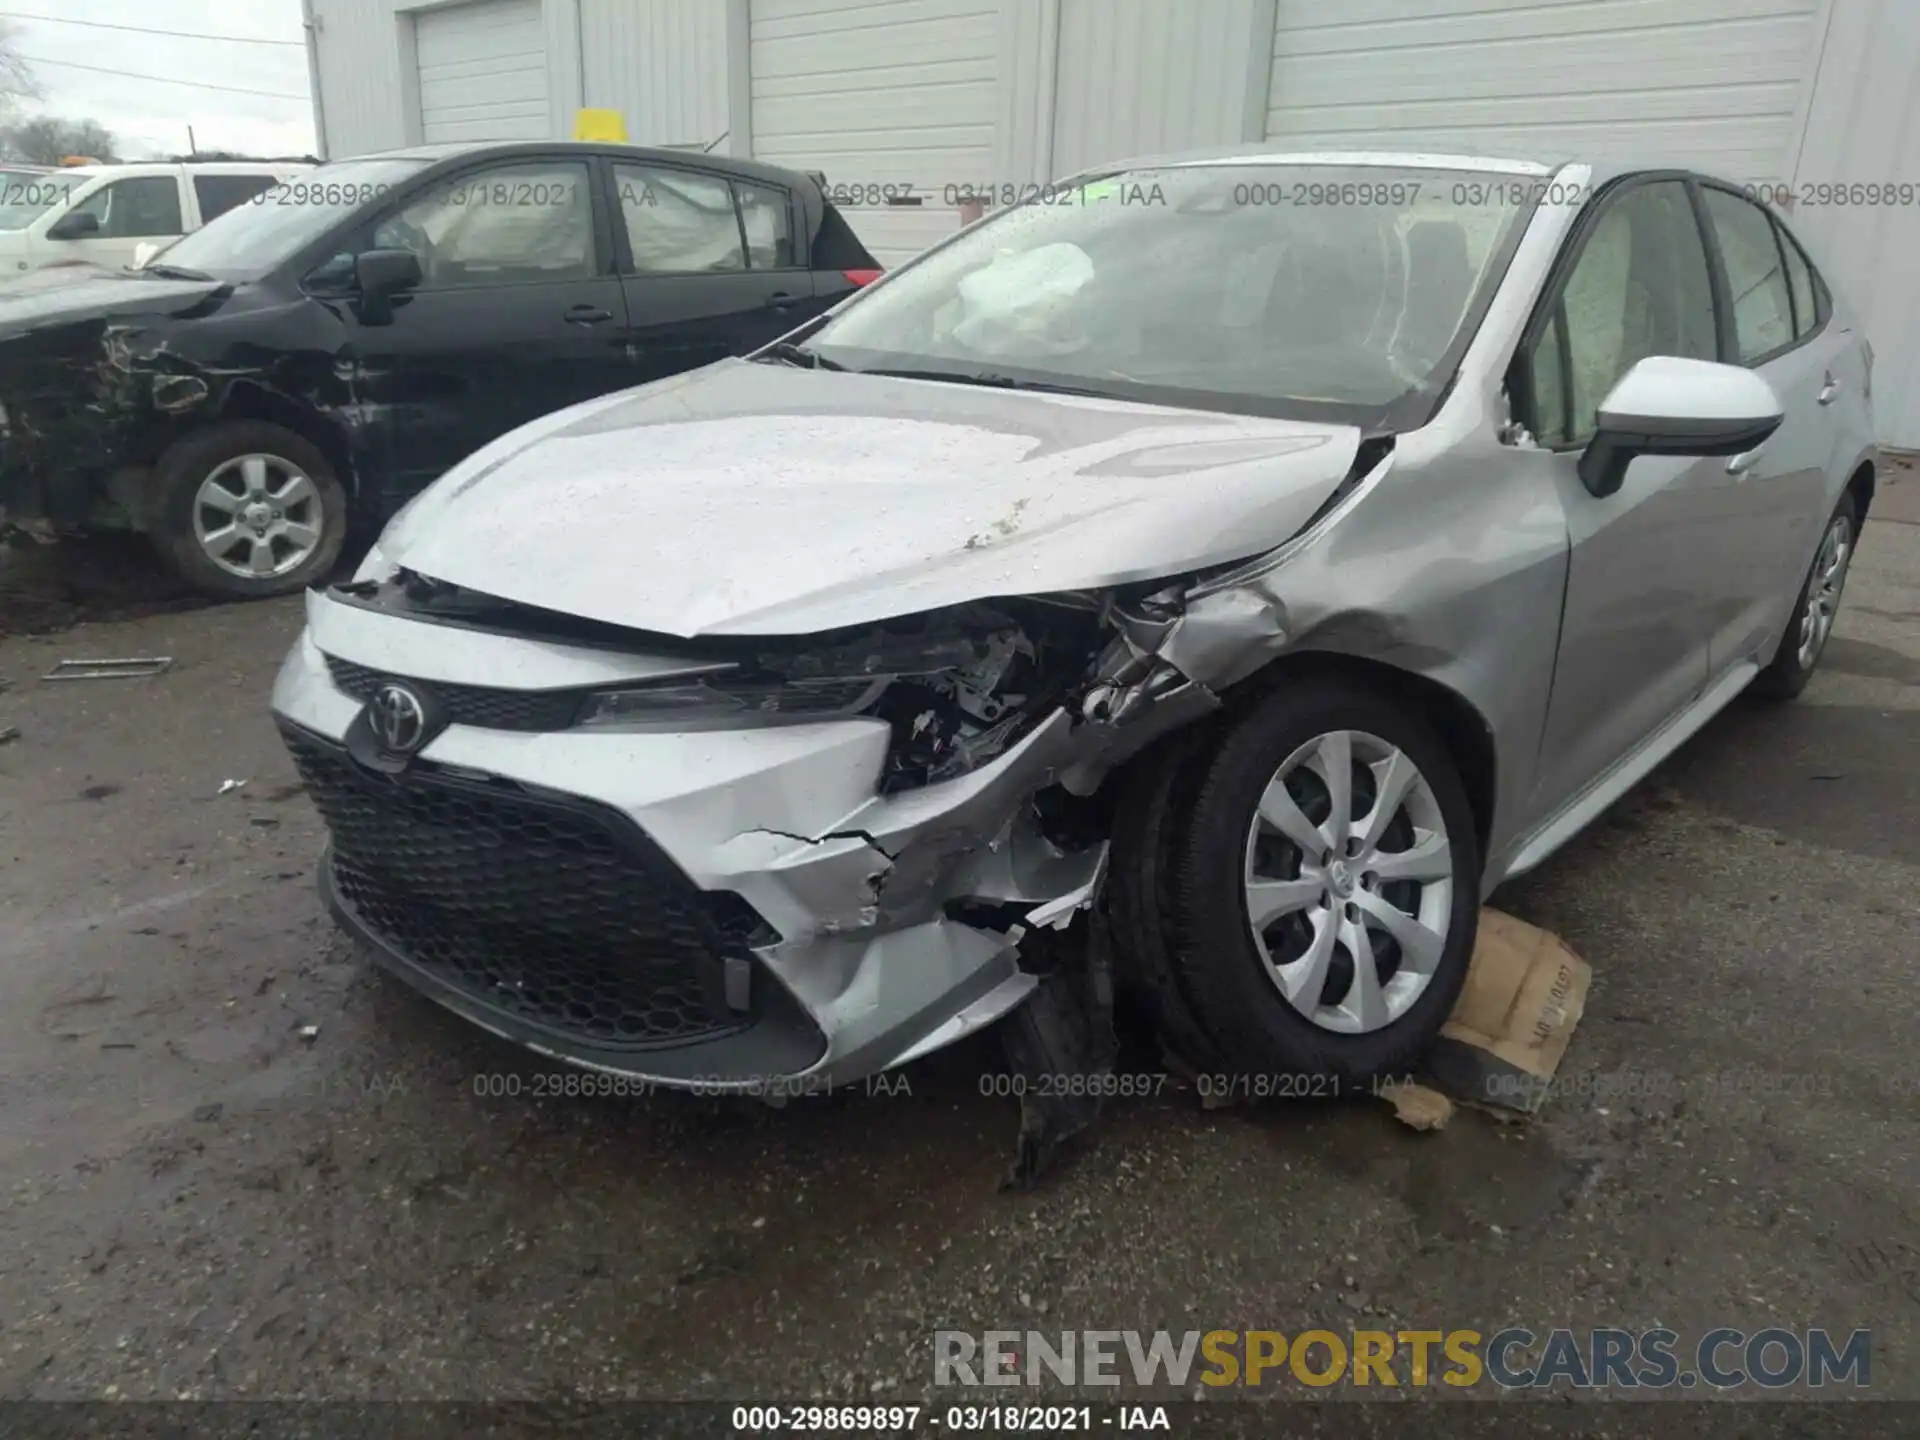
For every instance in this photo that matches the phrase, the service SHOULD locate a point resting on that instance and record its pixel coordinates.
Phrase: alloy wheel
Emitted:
(258, 516)
(1823, 591)
(1349, 881)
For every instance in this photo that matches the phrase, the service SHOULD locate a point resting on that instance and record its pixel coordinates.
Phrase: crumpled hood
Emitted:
(61, 294)
(757, 499)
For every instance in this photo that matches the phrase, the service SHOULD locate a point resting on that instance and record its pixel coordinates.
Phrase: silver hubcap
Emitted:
(258, 516)
(1823, 593)
(1349, 881)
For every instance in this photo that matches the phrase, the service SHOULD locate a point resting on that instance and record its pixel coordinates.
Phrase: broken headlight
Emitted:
(724, 700)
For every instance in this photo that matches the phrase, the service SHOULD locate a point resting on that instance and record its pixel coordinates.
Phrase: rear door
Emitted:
(1782, 329)
(518, 312)
(1643, 563)
(712, 264)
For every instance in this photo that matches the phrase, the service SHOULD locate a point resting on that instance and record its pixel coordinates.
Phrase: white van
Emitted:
(103, 214)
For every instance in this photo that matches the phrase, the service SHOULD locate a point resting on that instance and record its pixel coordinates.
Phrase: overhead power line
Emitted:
(147, 30)
(164, 79)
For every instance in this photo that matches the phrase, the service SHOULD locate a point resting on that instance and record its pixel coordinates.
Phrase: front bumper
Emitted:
(725, 909)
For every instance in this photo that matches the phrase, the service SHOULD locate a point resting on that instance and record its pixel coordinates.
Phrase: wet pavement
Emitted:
(199, 1200)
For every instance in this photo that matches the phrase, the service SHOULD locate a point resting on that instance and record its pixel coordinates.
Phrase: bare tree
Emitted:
(17, 80)
(48, 139)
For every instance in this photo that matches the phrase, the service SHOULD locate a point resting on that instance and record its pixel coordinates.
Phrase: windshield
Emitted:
(26, 195)
(253, 237)
(1301, 291)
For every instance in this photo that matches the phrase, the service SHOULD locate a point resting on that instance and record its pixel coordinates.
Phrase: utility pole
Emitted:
(192, 149)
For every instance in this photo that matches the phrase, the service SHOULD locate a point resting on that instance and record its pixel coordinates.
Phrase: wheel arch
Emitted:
(1860, 485)
(1460, 725)
(250, 400)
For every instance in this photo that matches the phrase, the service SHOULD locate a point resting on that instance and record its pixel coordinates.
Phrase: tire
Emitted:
(299, 493)
(1139, 896)
(1806, 635)
(1354, 1034)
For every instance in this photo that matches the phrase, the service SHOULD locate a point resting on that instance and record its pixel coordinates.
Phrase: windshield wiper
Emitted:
(992, 380)
(173, 272)
(794, 354)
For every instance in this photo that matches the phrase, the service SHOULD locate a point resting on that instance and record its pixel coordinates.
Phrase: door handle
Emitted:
(1829, 390)
(587, 315)
(1744, 461)
(780, 300)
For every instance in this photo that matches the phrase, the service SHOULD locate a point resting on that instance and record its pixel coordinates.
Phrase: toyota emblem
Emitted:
(399, 717)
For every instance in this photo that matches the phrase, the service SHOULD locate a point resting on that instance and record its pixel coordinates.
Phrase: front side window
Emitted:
(511, 224)
(678, 222)
(1314, 292)
(1756, 274)
(135, 208)
(1640, 287)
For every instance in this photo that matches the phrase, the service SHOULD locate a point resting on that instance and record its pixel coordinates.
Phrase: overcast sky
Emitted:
(152, 117)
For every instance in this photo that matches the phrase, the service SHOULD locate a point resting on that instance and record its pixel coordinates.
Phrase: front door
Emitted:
(131, 211)
(518, 313)
(709, 266)
(1646, 563)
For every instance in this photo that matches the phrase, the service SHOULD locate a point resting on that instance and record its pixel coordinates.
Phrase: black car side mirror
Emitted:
(380, 275)
(1666, 405)
(73, 225)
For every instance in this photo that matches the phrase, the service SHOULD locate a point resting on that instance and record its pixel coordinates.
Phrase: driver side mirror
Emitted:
(380, 275)
(73, 225)
(1668, 406)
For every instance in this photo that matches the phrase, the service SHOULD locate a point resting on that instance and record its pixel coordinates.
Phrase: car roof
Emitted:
(668, 155)
(1600, 169)
(168, 167)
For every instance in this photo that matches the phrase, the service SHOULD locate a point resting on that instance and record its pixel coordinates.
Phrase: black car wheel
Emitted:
(1323, 893)
(1805, 640)
(249, 508)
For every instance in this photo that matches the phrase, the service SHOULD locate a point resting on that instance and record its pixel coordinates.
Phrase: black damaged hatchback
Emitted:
(306, 363)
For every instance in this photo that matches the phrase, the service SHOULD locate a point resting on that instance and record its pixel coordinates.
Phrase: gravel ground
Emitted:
(198, 1202)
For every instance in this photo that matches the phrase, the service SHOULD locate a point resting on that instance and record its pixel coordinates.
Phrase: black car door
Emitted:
(518, 313)
(709, 263)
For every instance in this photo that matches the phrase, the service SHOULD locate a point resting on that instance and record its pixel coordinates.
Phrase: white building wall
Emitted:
(661, 64)
(1863, 127)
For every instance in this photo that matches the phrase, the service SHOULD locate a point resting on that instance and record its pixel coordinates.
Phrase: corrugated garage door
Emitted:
(1713, 82)
(877, 94)
(483, 71)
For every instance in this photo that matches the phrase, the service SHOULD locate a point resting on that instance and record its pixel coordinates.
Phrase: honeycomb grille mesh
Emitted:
(562, 916)
(481, 705)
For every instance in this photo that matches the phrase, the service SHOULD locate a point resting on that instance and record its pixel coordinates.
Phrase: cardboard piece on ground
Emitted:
(1524, 995)
(1417, 1106)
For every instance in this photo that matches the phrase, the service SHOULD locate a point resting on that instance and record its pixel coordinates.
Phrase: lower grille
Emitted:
(558, 913)
(483, 705)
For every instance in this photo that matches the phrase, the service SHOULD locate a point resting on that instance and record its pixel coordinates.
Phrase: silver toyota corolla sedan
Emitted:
(1251, 560)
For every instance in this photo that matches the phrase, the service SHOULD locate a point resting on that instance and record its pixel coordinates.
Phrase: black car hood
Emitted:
(63, 294)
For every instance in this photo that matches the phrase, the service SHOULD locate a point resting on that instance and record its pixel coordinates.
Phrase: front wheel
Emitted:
(1326, 890)
(1811, 624)
(249, 508)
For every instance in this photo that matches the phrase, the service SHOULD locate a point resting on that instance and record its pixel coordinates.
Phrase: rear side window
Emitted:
(1640, 287)
(678, 222)
(768, 220)
(1756, 274)
(1806, 305)
(218, 194)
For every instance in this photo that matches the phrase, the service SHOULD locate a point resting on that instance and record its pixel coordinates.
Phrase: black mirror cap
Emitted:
(1622, 439)
(73, 225)
(380, 273)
